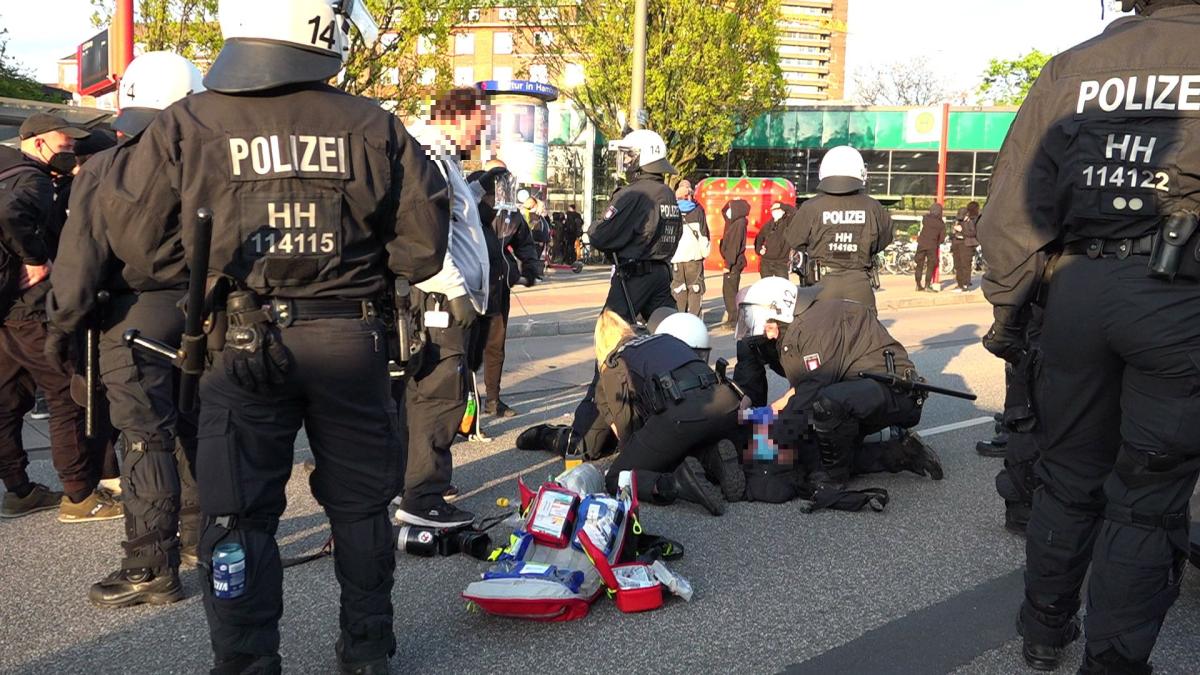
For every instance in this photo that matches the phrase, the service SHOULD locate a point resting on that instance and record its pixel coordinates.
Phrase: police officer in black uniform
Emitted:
(669, 411)
(1102, 161)
(640, 231)
(822, 351)
(842, 228)
(162, 513)
(317, 197)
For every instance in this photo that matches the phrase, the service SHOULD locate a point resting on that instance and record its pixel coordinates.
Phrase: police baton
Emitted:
(91, 367)
(625, 291)
(194, 344)
(907, 385)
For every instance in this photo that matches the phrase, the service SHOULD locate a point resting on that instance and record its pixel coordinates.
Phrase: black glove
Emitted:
(462, 312)
(57, 349)
(1006, 341)
(530, 275)
(255, 359)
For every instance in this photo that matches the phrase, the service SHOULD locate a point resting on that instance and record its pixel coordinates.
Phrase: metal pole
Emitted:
(638, 90)
(943, 154)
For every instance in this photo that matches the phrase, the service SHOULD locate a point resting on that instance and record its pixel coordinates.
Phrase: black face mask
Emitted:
(62, 163)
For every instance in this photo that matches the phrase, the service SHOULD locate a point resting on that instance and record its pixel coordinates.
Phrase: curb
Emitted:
(713, 317)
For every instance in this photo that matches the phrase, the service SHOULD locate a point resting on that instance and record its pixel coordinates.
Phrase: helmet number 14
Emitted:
(319, 35)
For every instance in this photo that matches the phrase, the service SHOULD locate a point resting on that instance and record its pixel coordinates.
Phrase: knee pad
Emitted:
(828, 414)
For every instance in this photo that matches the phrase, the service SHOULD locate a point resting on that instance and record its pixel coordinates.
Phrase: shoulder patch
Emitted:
(812, 361)
(609, 213)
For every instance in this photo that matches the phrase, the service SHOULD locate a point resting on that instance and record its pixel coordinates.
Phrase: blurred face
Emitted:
(771, 332)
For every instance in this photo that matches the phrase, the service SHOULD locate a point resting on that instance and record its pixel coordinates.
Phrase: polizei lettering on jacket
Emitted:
(272, 156)
(1137, 93)
(844, 218)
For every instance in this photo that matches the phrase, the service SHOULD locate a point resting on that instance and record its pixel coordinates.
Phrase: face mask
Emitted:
(62, 163)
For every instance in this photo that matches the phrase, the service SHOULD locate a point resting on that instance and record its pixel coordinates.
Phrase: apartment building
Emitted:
(812, 50)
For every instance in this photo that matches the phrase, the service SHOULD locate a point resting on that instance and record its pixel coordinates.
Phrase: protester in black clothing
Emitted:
(31, 220)
(573, 230)
(963, 243)
(775, 256)
(512, 259)
(733, 252)
(929, 246)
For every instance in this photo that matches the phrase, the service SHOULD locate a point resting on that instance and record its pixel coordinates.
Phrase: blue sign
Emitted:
(540, 90)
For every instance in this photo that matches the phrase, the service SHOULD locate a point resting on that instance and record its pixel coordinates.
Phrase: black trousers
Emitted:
(849, 285)
(926, 260)
(964, 263)
(158, 484)
(648, 292)
(1118, 401)
(862, 407)
(687, 284)
(775, 268)
(486, 345)
(666, 439)
(434, 403)
(23, 369)
(339, 390)
(731, 282)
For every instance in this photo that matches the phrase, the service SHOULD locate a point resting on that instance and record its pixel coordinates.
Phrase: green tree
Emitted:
(712, 67)
(391, 71)
(186, 27)
(1007, 81)
(15, 81)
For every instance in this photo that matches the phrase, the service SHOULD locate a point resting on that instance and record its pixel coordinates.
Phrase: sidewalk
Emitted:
(567, 304)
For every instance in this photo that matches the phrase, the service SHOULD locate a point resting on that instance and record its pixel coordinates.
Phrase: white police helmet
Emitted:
(770, 299)
(644, 149)
(271, 43)
(842, 171)
(689, 328)
(152, 82)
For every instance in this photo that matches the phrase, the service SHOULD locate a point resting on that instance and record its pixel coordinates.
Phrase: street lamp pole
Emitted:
(638, 90)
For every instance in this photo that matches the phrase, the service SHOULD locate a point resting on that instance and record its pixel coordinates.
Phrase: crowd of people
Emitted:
(353, 277)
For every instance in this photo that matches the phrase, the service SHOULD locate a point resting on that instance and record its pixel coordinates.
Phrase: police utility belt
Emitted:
(636, 268)
(662, 391)
(1174, 249)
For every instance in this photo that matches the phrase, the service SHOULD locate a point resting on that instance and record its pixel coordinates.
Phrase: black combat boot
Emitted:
(376, 666)
(247, 664)
(1016, 516)
(996, 446)
(919, 457)
(834, 471)
(126, 588)
(688, 483)
(545, 437)
(1046, 656)
(723, 467)
(1110, 663)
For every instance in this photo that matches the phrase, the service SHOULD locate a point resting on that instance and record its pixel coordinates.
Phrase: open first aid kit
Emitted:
(573, 542)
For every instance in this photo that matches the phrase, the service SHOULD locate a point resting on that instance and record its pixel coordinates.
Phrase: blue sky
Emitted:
(957, 36)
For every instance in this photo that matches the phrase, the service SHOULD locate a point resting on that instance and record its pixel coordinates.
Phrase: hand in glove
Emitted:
(255, 359)
(462, 312)
(57, 349)
(1006, 341)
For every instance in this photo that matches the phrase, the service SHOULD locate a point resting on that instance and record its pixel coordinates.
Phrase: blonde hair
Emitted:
(611, 331)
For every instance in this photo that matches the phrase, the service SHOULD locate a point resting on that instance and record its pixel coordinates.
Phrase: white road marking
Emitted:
(946, 428)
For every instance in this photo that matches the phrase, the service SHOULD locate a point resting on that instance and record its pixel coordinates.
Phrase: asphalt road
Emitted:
(929, 586)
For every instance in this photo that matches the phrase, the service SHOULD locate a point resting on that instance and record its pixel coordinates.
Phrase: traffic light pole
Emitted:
(120, 38)
(638, 90)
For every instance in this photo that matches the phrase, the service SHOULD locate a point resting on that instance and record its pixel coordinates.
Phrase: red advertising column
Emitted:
(120, 38)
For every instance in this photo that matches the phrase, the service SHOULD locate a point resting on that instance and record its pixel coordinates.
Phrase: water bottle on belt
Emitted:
(229, 571)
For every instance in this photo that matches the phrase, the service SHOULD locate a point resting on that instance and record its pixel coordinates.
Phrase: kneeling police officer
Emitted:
(318, 198)
(668, 410)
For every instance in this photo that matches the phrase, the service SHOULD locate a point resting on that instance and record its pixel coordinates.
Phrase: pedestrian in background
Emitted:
(929, 243)
(574, 230)
(687, 265)
(733, 252)
(963, 244)
(771, 243)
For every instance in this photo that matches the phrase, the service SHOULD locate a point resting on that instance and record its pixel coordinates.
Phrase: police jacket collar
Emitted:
(840, 185)
(642, 175)
(248, 65)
